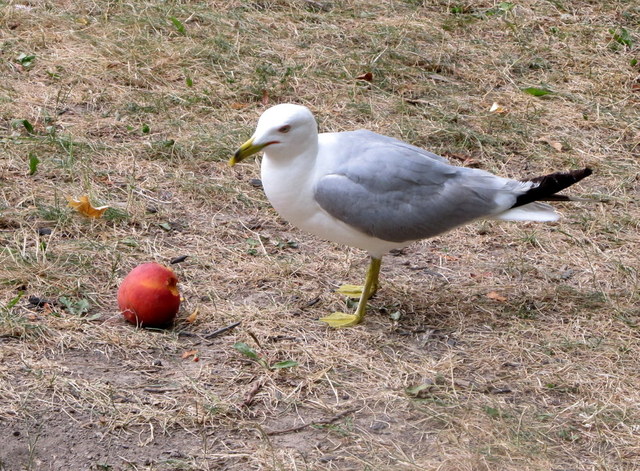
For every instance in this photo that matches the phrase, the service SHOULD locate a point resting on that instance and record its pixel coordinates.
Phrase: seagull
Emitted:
(377, 193)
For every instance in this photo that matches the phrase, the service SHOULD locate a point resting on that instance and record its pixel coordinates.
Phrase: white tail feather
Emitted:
(537, 211)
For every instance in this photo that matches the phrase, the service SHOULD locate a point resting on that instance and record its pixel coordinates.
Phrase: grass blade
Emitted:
(33, 163)
(284, 364)
(178, 24)
(537, 91)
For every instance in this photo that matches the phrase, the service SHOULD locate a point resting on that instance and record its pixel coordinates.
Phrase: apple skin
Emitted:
(148, 296)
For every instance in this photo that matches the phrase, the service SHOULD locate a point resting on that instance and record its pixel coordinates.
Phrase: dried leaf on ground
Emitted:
(191, 318)
(366, 76)
(190, 353)
(84, 207)
(496, 296)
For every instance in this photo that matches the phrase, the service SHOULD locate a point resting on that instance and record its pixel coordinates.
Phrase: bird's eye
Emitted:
(284, 129)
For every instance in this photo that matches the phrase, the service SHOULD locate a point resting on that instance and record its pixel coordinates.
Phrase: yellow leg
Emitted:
(340, 319)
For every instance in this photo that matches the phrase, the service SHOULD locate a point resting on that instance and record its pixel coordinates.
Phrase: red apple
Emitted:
(148, 296)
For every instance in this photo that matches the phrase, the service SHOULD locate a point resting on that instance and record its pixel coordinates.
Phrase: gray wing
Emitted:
(397, 192)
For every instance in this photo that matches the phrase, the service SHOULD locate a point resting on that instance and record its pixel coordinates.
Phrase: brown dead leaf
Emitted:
(84, 207)
(265, 97)
(366, 76)
(190, 353)
(496, 296)
(193, 316)
(555, 144)
(238, 106)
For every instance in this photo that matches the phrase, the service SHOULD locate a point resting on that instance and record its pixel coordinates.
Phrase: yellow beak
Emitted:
(247, 149)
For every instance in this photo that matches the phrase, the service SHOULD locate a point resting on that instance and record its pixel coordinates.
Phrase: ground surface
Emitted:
(499, 346)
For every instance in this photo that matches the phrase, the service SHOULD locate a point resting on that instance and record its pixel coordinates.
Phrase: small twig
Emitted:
(184, 333)
(255, 339)
(160, 390)
(222, 330)
(311, 424)
(252, 393)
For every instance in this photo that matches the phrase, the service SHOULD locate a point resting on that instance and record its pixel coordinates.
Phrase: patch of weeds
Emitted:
(415, 3)
(203, 190)
(26, 60)
(165, 149)
(53, 212)
(68, 145)
(135, 108)
(250, 353)
(289, 244)
(496, 413)
(500, 9)
(116, 215)
(458, 20)
(561, 388)
(462, 16)
(630, 320)
(269, 78)
(253, 244)
(13, 324)
(459, 9)
(531, 239)
(430, 392)
(218, 147)
(527, 310)
(75, 306)
(558, 33)
(360, 109)
(23, 123)
(622, 37)
(343, 430)
(458, 137)
(569, 434)
(545, 417)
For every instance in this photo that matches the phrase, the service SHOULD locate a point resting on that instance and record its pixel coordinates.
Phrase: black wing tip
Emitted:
(548, 185)
(583, 173)
(564, 177)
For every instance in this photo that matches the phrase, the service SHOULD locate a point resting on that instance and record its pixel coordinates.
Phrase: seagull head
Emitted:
(287, 130)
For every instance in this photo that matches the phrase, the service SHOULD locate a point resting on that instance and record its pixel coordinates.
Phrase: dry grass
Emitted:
(127, 108)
